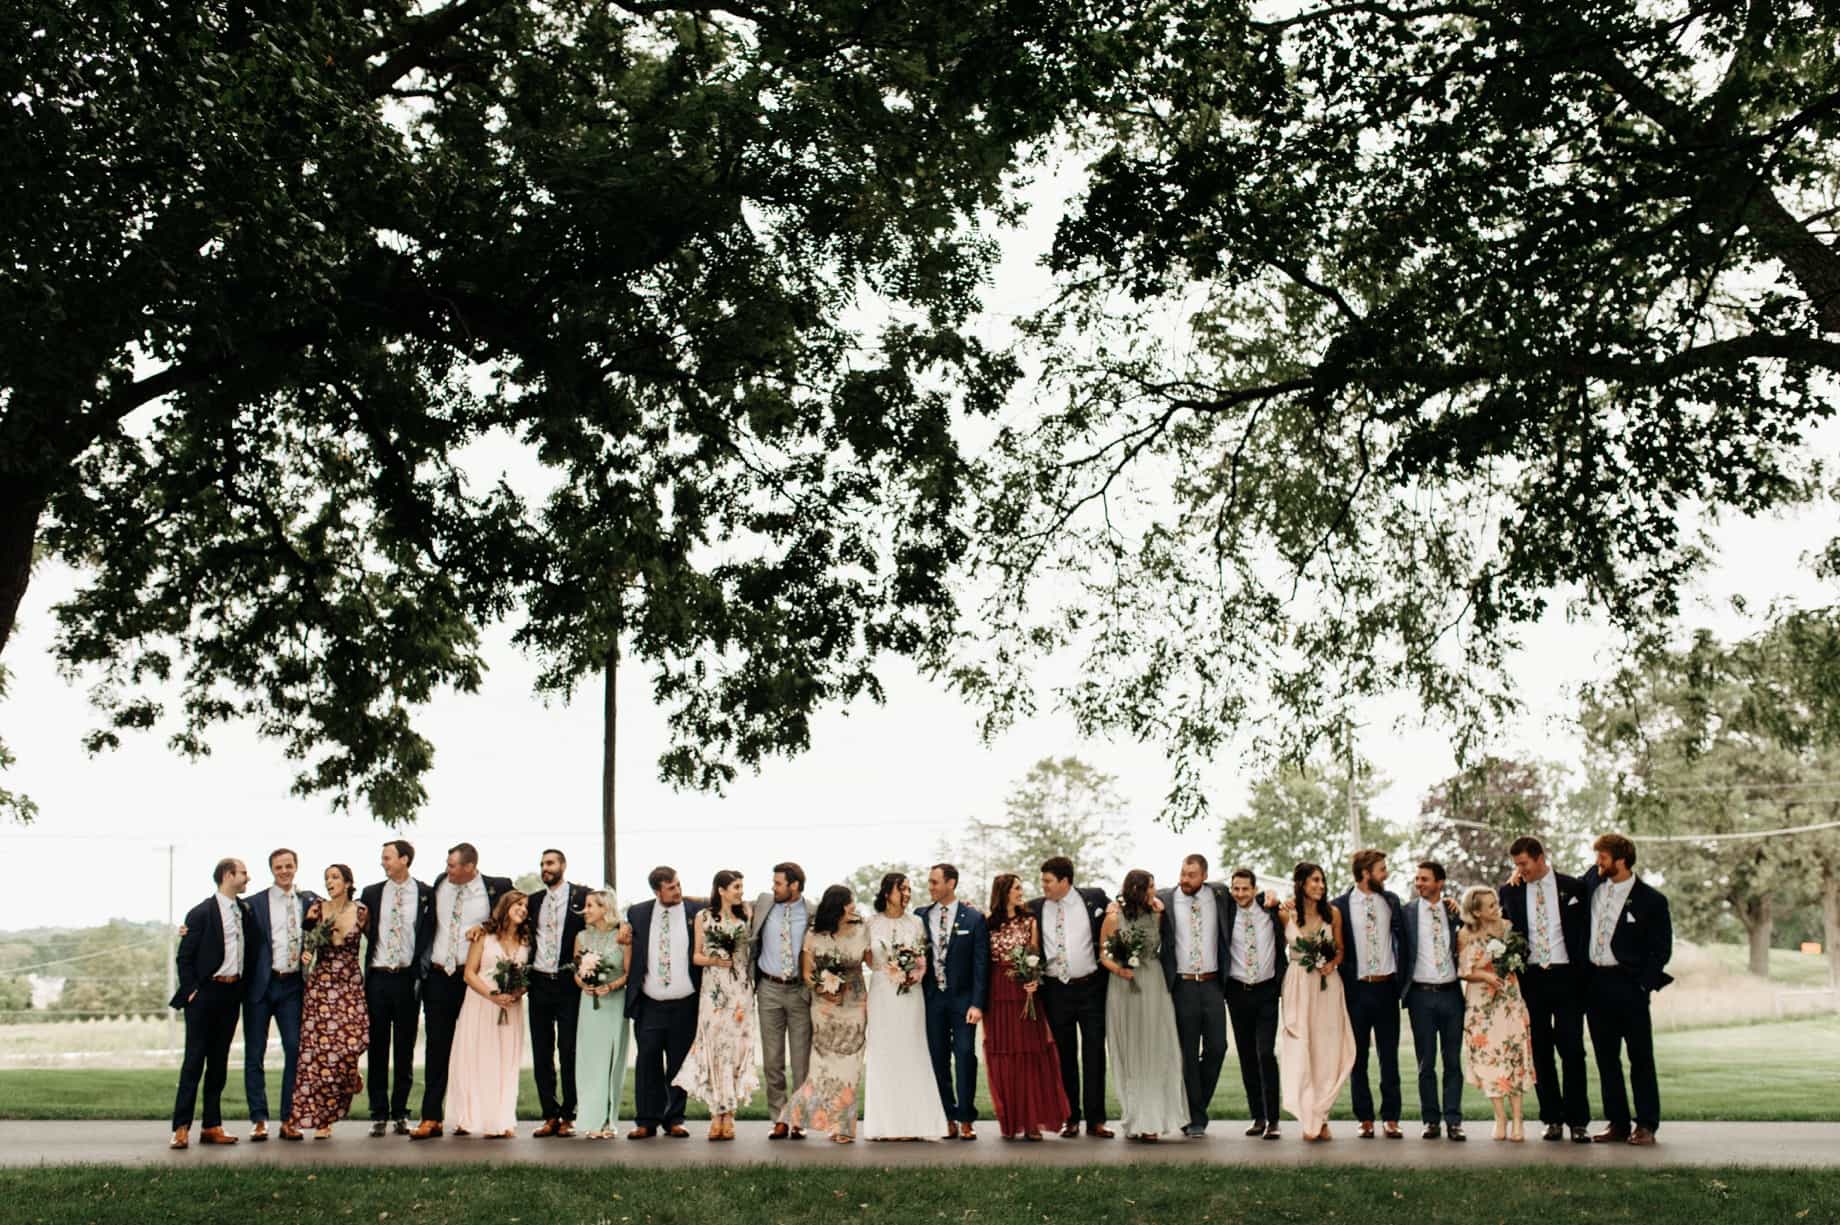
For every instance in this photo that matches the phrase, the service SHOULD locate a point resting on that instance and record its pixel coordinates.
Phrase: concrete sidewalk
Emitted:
(1682, 1144)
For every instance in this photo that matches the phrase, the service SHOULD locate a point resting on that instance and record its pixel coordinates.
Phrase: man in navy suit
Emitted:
(661, 991)
(1196, 920)
(399, 939)
(1551, 910)
(463, 899)
(1630, 940)
(212, 963)
(554, 1002)
(956, 988)
(1073, 990)
(278, 920)
(1433, 998)
(1372, 923)
(1255, 965)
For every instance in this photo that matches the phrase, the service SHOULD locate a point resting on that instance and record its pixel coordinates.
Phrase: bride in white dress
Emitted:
(900, 1093)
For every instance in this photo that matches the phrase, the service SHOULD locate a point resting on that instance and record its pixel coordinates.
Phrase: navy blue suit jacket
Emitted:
(1353, 938)
(1644, 937)
(639, 916)
(1407, 955)
(201, 950)
(967, 957)
(262, 955)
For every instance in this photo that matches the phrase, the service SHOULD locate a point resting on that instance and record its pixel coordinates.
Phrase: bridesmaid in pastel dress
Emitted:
(1316, 1044)
(488, 1055)
(1497, 1031)
(719, 1071)
(600, 1027)
(335, 1025)
(839, 1020)
(1019, 1054)
(1140, 1018)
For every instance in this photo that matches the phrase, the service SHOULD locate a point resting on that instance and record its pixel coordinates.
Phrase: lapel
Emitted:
(258, 915)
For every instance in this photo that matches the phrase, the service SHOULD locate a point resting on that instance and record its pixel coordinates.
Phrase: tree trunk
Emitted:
(21, 507)
(1758, 917)
(610, 721)
(1830, 919)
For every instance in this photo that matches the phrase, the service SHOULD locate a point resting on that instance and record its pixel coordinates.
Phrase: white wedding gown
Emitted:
(900, 1096)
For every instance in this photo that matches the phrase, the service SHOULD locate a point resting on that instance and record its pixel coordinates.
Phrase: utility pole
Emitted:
(1354, 813)
(172, 964)
(610, 720)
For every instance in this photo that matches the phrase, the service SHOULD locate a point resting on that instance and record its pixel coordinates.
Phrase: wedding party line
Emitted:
(1499, 987)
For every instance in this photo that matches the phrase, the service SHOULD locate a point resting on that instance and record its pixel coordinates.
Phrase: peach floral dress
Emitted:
(1497, 1033)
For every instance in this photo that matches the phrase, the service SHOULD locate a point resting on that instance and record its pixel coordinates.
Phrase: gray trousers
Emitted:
(785, 1023)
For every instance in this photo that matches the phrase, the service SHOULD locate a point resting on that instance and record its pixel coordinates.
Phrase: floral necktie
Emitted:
(395, 946)
(1248, 944)
(1438, 954)
(785, 939)
(1606, 919)
(1194, 934)
(1060, 939)
(452, 957)
(1542, 937)
(1371, 923)
(664, 947)
(943, 914)
(293, 932)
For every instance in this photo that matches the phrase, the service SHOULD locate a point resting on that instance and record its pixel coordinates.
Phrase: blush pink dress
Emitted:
(483, 1071)
(1315, 1042)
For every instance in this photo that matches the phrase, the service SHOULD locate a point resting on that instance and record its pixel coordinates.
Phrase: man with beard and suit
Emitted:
(1073, 991)
(661, 1000)
(1552, 911)
(554, 1001)
(955, 989)
(278, 921)
(1255, 975)
(1630, 940)
(782, 1000)
(1433, 999)
(213, 962)
(463, 901)
(399, 939)
(1372, 922)
(1196, 914)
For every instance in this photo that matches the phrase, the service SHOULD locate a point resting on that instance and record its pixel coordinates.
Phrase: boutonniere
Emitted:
(1098, 912)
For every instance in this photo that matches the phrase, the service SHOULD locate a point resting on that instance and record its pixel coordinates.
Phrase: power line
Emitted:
(1739, 836)
(84, 956)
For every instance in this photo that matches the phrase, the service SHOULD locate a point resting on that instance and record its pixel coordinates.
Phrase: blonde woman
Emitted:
(1497, 1032)
(600, 1026)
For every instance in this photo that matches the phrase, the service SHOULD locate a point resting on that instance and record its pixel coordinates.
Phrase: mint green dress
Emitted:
(600, 1040)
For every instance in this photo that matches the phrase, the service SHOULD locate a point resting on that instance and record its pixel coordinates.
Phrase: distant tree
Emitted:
(1300, 813)
(15, 998)
(122, 971)
(529, 882)
(1065, 807)
(1509, 797)
(866, 882)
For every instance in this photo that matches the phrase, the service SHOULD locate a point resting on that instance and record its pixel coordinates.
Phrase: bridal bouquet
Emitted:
(1315, 952)
(1025, 967)
(510, 977)
(1126, 947)
(725, 939)
(829, 973)
(1509, 952)
(909, 960)
(592, 969)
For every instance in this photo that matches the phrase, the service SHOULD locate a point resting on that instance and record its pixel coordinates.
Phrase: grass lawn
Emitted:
(1763, 1072)
(1127, 1195)
(1788, 967)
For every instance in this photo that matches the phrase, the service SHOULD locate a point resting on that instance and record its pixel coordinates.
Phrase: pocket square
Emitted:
(1629, 918)
(1571, 901)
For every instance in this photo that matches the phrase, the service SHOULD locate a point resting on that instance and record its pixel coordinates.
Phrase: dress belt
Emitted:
(784, 982)
(1376, 978)
(226, 978)
(1208, 977)
(1449, 986)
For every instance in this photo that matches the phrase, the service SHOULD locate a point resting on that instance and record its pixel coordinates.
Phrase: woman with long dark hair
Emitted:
(900, 1095)
(719, 1071)
(839, 1018)
(1021, 1062)
(335, 1025)
(1316, 1045)
(1140, 1015)
(488, 1053)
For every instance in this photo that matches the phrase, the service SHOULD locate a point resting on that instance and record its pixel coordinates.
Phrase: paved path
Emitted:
(1682, 1144)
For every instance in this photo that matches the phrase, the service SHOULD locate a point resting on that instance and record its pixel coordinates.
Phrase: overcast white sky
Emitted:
(513, 775)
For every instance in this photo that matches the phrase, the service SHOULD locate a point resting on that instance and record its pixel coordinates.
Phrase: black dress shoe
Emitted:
(379, 1127)
(1271, 1133)
(1581, 1135)
(1257, 1128)
(1430, 1132)
(1553, 1132)
(1455, 1131)
(400, 1127)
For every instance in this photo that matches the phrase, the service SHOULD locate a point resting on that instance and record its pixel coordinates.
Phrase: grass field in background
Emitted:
(765, 1195)
(1786, 1071)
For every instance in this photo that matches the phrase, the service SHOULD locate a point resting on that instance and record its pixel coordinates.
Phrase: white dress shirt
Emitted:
(1436, 961)
(668, 981)
(233, 937)
(472, 906)
(283, 929)
(1546, 887)
(554, 913)
(1606, 912)
(395, 926)
(1252, 930)
(1066, 921)
(1373, 947)
(1189, 914)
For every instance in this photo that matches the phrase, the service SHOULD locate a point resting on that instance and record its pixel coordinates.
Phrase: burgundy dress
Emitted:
(1022, 1064)
(335, 1029)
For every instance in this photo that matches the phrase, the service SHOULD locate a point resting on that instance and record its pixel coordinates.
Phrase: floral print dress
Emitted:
(1496, 1030)
(335, 1029)
(719, 1071)
(839, 1029)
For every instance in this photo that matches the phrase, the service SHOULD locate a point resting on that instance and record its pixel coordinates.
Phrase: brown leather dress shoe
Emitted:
(1070, 1131)
(182, 1138)
(547, 1130)
(258, 1133)
(677, 1132)
(798, 1133)
(427, 1129)
(965, 1132)
(1367, 1130)
(951, 1130)
(564, 1129)
(1641, 1136)
(215, 1135)
(1099, 1131)
(642, 1133)
(779, 1132)
(1611, 1135)
(1392, 1132)
(290, 1132)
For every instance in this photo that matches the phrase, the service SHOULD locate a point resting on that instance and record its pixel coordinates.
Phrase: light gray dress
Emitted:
(1140, 1037)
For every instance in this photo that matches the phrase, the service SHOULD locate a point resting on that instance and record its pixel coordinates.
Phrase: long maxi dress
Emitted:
(839, 1028)
(1315, 1041)
(900, 1094)
(483, 1071)
(335, 1030)
(1141, 1042)
(1020, 1060)
(719, 1070)
(600, 1039)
